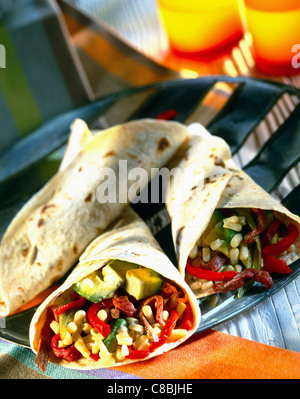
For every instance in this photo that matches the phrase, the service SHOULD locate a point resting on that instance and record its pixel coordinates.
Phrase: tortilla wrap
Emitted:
(128, 239)
(47, 236)
(217, 183)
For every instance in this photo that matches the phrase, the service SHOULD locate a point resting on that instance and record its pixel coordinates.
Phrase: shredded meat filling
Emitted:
(239, 280)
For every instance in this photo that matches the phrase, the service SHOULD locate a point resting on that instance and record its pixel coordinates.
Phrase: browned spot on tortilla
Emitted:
(88, 197)
(44, 209)
(59, 265)
(20, 289)
(109, 154)
(98, 230)
(132, 156)
(75, 249)
(178, 235)
(25, 251)
(80, 169)
(38, 263)
(219, 162)
(163, 144)
(40, 222)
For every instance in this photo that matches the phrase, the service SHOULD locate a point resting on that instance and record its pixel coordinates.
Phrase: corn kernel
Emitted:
(136, 327)
(54, 326)
(165, 315)
(103, 350)
(68, 340)
(119, 354)
(142, 343)
(124, 350)
(124, 340)
(79, 316)
(193, 252)
(81, 347)
(196, 285)
(123, 329)
(231, 219)
(232, 226)
(236, 240)
(244, 252)
(102, 314)
(72, 327)
(131, 320)
(206, 286)
(181, 308)
(86, 328)
(234, 254)
(157, 330)
(214, 245)
(148, 313)
(238, 268)
(206, 254)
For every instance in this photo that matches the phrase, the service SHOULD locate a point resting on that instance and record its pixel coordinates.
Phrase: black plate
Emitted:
(249, 101)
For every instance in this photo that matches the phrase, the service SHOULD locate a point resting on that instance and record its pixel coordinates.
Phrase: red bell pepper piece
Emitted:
(137, 354)
(275, 265)
(208, 274)
(269, 233)
(70, 354)
(284, 244)
(166, 332)
(94, 356)
(76, 303)
(187, 318)
(100, 325)
(167, 115)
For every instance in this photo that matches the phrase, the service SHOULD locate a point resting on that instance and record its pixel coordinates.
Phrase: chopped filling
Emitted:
(238, 247)
(139, 312)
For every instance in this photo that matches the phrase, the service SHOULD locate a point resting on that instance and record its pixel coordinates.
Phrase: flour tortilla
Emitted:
(217, 183)
(128, 239)
(47, 236)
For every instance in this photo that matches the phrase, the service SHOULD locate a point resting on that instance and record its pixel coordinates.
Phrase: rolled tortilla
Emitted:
(128, 240)
(216, 183)
(47, 236)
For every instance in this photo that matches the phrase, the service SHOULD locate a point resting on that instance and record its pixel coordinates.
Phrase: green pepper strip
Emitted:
(255, 259)
(111, 341)
(251, 222)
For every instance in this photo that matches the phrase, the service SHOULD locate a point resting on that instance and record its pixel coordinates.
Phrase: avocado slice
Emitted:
(116, 271)
(142, 283)
(94, 288)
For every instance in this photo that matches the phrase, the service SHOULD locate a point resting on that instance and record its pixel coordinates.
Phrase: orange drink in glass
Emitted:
(275, 29)
(198, 26)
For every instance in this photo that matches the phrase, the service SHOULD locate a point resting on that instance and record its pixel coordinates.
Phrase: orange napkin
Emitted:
(216, 355)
